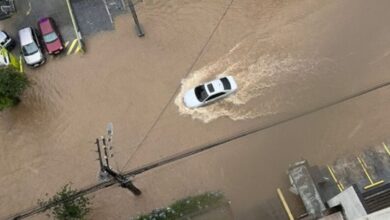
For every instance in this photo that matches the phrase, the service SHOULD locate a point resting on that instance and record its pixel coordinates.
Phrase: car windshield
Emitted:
(48, 38)
(30, 49)
(201, 93)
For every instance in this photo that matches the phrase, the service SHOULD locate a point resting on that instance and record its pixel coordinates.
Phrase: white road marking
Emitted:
(29, 8)
(108, 11)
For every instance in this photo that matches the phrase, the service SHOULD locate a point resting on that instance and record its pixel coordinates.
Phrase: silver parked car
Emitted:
(31, 48)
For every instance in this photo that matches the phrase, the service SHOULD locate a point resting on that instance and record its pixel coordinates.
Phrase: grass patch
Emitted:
(185, 207)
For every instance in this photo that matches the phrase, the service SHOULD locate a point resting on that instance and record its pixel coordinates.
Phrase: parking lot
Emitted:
(96, 16)
(29, 12)
(91, 17)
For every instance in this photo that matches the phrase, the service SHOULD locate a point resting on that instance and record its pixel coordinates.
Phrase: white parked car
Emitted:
(30, 47)
(210, 92)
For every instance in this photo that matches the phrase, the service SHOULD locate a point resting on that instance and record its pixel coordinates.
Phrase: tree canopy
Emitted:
(12, 85)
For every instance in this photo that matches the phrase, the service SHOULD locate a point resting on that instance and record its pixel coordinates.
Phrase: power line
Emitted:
(194, 151)
(178, 87)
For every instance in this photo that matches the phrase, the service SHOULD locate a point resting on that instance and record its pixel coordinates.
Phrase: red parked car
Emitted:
(51, 36)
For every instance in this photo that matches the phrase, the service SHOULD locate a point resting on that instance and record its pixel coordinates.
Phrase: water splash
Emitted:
(254, 79)
(260, 65)
(268, 63)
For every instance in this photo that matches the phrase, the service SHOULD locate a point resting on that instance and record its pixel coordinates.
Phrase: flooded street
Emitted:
(287, 58)
(289, 55)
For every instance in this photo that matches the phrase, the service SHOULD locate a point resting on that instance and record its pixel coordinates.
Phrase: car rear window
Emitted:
(226, 83)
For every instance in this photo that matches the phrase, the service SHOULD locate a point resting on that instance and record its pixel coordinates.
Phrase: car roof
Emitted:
(45, 25)
(25, 36)
(217, 86)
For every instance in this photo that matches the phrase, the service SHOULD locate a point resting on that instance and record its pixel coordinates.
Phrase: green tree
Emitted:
(12, 85)
(66, 207)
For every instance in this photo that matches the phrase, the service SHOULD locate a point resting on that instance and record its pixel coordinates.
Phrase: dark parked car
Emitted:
(51, 36)
(6, 41)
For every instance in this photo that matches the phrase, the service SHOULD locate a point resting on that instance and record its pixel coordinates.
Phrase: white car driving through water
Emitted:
(210, 92)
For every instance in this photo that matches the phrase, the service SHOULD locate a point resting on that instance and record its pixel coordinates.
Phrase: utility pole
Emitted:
(138, 28)
(103, 175)
(104, 146)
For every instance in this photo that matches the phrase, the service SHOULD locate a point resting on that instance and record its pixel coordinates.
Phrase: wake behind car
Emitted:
(30, 47)
(51, 36)
(209, 92)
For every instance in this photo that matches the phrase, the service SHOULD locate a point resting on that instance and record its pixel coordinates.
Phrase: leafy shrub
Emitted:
(65, 207)
(12, 85)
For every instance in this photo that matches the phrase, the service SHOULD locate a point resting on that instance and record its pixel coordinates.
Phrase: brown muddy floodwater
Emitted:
(287, 56)
(286, 49)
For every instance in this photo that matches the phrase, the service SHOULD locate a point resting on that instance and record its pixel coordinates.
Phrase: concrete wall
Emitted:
(350, 202)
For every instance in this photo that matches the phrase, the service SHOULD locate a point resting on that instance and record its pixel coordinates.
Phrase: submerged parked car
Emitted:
(51, 36)
(6, 41)
(209, 92)
(30, 47)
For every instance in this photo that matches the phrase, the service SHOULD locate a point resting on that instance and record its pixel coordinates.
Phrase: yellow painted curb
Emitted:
(71, 47)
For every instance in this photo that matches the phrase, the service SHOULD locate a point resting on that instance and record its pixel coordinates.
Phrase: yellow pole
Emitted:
(285, 205)
(75, 27)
